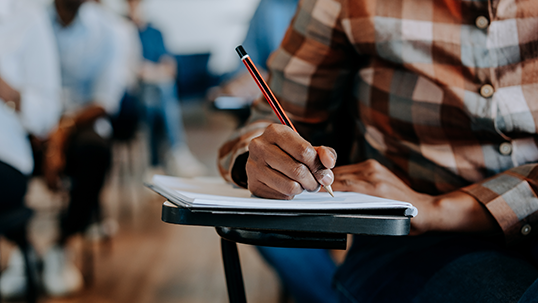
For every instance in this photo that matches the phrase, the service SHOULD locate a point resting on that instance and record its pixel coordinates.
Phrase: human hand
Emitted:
(451, 212)
(54, 162)
(372, 178)
(9, 94)
(281, 164)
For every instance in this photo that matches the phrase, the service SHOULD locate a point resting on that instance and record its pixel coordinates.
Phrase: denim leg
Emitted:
(153, 114)
(173, 121)
(306, 273)
(88, 160)
(486, 276)
(432, 268)
(531, 294)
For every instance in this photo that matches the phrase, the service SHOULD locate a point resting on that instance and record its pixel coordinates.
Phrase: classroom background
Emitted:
(132, 256)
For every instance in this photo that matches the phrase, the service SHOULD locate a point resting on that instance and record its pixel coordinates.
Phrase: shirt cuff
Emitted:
(511, 198)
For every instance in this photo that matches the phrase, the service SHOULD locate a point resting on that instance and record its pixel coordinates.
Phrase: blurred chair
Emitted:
(15, 221)
(126, 151)
(193, 76)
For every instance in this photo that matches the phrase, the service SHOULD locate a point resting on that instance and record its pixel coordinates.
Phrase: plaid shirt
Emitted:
(444, 93)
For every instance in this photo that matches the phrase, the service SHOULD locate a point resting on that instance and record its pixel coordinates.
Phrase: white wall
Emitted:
(199, 26)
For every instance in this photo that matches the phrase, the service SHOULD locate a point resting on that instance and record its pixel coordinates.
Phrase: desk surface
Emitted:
(324, 223)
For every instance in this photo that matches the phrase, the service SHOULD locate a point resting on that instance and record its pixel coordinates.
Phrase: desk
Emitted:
(309, 230)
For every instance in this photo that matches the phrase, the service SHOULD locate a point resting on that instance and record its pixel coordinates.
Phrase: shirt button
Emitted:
(486, 91)
(481, 22)
(526, 229)
(505, 148)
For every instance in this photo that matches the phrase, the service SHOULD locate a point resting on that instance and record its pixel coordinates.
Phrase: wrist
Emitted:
(461, 212)
(238, 172)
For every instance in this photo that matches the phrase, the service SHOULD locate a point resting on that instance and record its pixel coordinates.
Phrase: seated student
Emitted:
(429, 102)
(93, 83)
(265, 32)
(126, 121)
(29, 104)
(158, 93)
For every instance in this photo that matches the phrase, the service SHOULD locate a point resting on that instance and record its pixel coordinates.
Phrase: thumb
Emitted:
(327, 160)
(327, 156)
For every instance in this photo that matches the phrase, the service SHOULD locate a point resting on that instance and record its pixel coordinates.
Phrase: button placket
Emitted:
(526, 229)
(482, 22)
(486, 90)
(505, 148)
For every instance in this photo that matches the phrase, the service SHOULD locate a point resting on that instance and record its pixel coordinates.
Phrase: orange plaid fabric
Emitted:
(444, 93)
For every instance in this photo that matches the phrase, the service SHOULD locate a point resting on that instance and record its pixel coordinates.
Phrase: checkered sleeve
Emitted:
(307, 75)
(512, 198)
(237, 144)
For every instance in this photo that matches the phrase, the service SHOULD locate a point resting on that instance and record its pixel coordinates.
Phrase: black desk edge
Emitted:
(389, 225)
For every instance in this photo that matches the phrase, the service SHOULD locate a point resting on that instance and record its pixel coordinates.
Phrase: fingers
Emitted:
(351, 183)
(370, 177)
(327, 156)
(281, 163)
(298, 159)
(270, 158)
(322, 168)
(271, 183)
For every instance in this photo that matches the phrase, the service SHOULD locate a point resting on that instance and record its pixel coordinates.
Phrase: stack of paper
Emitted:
(216, 194)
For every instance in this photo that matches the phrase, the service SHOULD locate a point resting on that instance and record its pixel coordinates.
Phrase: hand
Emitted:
(8, 94)
(455, 211)
(281, 164)
(54, 162)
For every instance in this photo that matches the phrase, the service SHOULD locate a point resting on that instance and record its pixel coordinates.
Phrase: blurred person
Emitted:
(125, 122)
(29, 104)
(265, 32)
(159, 95)
(78, 153)
(429, 102)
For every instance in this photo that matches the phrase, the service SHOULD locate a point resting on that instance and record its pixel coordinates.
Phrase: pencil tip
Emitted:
(329, 190)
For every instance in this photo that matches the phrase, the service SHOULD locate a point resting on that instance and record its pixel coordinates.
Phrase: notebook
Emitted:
(214, 194)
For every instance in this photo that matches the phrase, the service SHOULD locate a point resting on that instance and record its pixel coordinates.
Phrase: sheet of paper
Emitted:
(215, 193)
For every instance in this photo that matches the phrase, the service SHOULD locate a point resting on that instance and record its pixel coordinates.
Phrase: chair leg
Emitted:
(232, 271)
(88, 261)
(31, 279)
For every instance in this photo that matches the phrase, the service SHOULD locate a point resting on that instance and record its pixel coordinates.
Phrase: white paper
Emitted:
(215, 193)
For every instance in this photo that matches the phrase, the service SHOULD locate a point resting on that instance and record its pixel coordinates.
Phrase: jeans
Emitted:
(162, 105)
(13, 186)
(408, 269)
(88, 160)
(439, 268)
(306, 273)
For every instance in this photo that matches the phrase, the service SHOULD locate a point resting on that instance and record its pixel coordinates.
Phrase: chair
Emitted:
(16, 220)
(308, 230)
(193, 76)
(230, 255)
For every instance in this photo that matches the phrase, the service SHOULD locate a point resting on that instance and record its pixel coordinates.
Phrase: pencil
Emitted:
(268, 94)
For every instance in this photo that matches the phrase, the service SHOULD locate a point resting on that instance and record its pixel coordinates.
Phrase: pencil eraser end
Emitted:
(241, 51)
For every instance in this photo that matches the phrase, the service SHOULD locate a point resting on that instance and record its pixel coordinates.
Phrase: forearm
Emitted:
(460, 212)
(86, 116)
(68, 124)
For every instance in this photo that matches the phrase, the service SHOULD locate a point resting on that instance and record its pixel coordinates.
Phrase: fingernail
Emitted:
(333, 157)
(327, 179)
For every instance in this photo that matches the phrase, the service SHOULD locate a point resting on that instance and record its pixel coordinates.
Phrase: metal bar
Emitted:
(232, 271)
